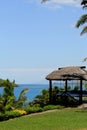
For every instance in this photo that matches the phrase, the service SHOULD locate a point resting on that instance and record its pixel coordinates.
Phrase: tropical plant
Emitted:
(42, 99)
(7, 99)
(83, 19)
(22, 99)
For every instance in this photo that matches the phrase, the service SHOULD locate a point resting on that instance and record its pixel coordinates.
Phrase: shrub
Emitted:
(33, 109)
(21, 112)
(9, 115)
(12, 114)
(51, 107)
(42, 99)
(2, 117)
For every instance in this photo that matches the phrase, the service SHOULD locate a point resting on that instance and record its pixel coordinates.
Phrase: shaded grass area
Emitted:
(65, 119)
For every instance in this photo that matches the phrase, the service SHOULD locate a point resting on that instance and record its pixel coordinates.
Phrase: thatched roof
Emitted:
(69, 73)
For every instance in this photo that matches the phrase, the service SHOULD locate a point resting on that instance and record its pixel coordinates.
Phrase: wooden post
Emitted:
(66, 85)
(80, 96)
(50, 91)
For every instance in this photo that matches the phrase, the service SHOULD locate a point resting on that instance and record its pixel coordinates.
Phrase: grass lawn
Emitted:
(65, 119)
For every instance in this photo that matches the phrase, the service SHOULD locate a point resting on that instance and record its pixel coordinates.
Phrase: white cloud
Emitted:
(56, 4)
(56, 1)
(65, 1)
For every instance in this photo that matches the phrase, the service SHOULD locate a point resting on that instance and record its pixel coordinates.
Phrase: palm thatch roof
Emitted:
(68, 73)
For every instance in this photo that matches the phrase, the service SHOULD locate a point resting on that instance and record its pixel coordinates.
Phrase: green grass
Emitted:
(65, 119)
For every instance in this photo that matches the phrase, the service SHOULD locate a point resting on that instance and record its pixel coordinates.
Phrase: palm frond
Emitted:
(22, 99)
(84, 30)
(81, 21)
(84, 2)
(22, 93)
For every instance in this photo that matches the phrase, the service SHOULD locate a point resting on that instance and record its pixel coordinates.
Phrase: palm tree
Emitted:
(84, 3)
(83, 18)
(82, 21)
(7, 99)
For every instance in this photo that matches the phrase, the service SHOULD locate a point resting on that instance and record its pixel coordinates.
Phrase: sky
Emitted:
(37, 38)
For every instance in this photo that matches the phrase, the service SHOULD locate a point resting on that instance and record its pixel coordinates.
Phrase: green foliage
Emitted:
(7, 99)
(52, 107)
(58, 97)
(22, 99)
(76, 88)
(81, 21)
(9, 115)
(27, 110)
(33, 109)
(69, 88)
(12, 114)
(55, 91)
(86, 86)
(8, 87)
(42, 99)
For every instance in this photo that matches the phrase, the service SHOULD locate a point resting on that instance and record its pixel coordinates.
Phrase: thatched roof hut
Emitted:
(65, 74)
(69, 73)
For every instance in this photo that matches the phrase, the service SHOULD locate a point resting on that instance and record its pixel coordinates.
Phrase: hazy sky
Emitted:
(36, 38)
